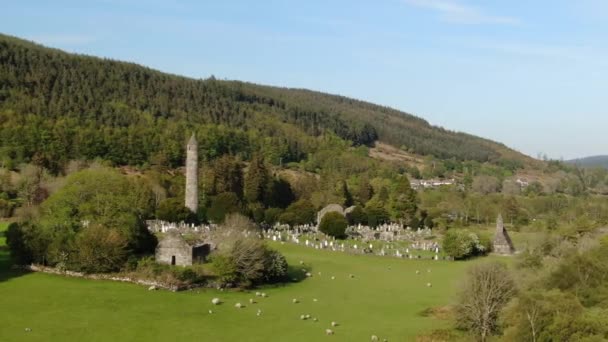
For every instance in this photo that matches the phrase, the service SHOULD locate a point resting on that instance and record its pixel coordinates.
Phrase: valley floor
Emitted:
(384, 298)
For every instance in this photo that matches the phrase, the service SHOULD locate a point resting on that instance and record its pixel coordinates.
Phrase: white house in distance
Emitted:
(431, 183)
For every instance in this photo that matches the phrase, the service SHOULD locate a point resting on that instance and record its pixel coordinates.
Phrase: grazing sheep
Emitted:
(251, 301)
(308, 274)
(210, 311)
(429, 285)
(303, 317)
(329, 332)
(417, 272)
(264, 295)
(307, 316)
(315, 319)
(259, 313)
(295, 301)
(28, 329)
(314, 300)
(258, 294)
(216, 301)
(375, 338)
(239, 305)
(332, 277)
(301, 262)
(152, 288)
(334, 324)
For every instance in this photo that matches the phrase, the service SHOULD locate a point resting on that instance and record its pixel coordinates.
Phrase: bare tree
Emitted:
(487, 289)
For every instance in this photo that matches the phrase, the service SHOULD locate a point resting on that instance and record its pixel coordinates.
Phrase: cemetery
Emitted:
(363, 294)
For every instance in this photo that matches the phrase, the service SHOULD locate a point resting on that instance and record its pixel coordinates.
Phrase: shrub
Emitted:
(357, 216)
(100, 249)
(462, 244)
(298, 213)
(173, 210)
(223, 204)
(26, 243)
(224, 268)
(334, 224)
(271, 215)
(275, 266)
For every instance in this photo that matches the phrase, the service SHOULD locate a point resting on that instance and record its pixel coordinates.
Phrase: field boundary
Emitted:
(153, 285)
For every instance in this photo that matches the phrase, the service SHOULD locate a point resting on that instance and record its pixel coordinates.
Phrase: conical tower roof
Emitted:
(192, 140)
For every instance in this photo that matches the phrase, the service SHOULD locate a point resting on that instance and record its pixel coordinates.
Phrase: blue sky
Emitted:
(530, 74)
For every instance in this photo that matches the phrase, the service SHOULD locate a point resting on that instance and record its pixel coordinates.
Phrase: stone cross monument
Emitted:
(192, 174)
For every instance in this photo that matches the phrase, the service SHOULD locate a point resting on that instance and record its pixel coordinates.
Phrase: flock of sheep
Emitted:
(303, 317)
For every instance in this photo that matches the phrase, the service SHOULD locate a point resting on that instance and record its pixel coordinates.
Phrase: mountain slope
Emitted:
(57, 106)
(594, 161)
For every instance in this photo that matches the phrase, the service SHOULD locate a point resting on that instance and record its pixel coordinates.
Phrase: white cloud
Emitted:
(452, 11)
(63, 39)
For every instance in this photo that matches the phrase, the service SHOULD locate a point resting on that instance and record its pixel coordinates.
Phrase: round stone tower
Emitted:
(192, 174)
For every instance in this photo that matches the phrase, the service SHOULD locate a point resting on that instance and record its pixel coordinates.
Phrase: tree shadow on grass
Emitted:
(6, 263)
(297, 273)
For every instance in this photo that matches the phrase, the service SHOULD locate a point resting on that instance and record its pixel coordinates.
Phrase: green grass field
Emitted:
(385, 298)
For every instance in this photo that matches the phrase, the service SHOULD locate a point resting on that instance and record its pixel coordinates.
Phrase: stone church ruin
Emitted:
(502, 241)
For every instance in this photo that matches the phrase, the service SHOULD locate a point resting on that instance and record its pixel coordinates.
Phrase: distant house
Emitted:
(172, 249)
(430, 183)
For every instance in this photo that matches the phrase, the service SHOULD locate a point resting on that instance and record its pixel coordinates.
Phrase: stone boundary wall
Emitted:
(151, 283)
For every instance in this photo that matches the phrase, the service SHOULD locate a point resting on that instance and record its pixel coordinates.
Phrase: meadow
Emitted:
(384, 297)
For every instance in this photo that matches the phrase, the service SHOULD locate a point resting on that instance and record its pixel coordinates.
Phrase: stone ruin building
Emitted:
(173, 249)
(502, 242)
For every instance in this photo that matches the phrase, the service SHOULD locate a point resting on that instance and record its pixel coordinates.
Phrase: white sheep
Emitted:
(329, 332)
(239, 305)
(295, 301)
(374, 338)
(216, 301)
(334, 324)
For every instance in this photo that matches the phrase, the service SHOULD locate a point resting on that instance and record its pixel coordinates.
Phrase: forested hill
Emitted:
(56, 106)
(595, 161)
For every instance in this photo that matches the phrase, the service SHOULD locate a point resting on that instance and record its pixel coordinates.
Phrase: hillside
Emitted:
(595, 161)
(56, 106)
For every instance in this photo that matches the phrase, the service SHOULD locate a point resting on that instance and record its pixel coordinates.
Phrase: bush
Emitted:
(357, 216)
(334, 224)
(224, 268)
(271, 215)
(275, 266)
(100, 249)
(173, 210)
(298, 213)
(462, 244)
(26, 243)
(223, 204)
